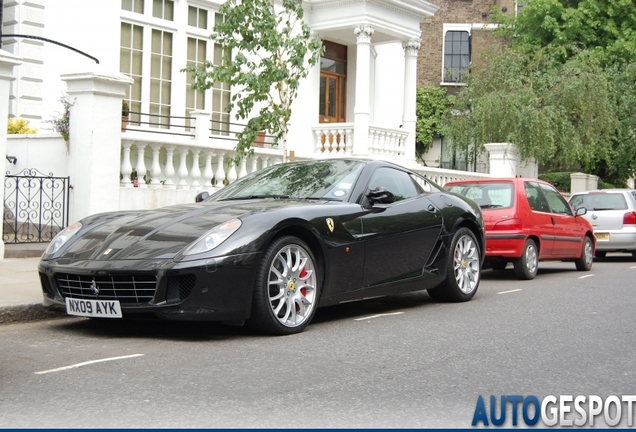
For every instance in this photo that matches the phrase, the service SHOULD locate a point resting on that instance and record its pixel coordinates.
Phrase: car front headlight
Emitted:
(62, 237)
(213, 238)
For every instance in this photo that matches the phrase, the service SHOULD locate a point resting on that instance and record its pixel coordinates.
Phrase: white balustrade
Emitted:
(334, 139)
(141, 165)
(126, 166)
(386, 143)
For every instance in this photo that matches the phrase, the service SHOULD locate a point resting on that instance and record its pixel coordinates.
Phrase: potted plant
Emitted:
(125, 111)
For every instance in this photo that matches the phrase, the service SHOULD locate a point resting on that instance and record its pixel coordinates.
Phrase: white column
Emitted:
(182, 172)
(195, 172)
(155, 168)
(207, 171)
(169, 170)
(409, 116)
(126, 166)
(7, 63)
(362, 109)
(141, 164)
(201, 125)
(95, 140)
(504, 159)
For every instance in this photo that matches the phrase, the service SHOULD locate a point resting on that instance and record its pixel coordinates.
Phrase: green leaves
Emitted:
(432, 104)
(272, 53)
(563, 90)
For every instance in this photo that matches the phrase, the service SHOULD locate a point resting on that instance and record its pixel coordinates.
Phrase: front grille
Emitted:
(128, 289)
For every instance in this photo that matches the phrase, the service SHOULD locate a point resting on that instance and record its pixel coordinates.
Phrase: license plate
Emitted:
(93, 308)
(602, 236)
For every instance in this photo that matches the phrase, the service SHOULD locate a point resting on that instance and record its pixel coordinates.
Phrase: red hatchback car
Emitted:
(527, 221)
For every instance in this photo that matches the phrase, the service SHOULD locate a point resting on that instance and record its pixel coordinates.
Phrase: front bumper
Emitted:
(213, 289)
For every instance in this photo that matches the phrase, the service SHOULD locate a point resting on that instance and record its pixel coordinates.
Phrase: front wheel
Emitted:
(287, 288)
(463, 269)
(584, 263)
(527, 266)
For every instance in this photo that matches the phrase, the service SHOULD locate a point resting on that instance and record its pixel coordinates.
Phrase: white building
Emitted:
(359, 101)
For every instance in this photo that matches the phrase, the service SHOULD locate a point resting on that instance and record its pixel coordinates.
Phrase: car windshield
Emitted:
(599, 201)
(330, 180)
(487, 195)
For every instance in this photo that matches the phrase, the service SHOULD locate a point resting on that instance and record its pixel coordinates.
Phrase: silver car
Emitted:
(612, 213)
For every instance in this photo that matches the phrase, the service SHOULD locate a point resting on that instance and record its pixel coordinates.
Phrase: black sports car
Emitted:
(272, 247)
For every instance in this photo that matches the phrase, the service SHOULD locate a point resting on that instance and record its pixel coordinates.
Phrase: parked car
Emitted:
(612, 213)
(272, 247)
(527, 221)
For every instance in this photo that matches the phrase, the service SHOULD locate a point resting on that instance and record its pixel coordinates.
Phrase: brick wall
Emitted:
(429, 68)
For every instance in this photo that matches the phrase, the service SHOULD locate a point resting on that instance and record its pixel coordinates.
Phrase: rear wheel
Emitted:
(601, 254)
(527, 266)
(287, 288)
(463, 269)
(584, 263)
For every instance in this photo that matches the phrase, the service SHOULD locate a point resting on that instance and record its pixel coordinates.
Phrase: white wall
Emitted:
(45, 152)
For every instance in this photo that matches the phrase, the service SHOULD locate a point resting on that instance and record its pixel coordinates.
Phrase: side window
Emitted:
(423, 185)
(398, 182)
(536, 200)
(555, 200)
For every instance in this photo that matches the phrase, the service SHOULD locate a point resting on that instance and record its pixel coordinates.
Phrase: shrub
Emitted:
(560, 180)
(19, 126)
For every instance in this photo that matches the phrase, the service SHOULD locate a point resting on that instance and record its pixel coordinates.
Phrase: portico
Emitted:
(383, 39)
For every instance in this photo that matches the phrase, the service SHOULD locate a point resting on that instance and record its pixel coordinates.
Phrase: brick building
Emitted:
(453, 43)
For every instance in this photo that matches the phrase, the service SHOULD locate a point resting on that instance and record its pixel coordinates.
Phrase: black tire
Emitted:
(600, 254)
(463, 269)
(527, 266)
(277, 287)
(584, 263)
(499, 265)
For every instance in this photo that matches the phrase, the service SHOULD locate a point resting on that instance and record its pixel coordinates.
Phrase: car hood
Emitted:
(160, 233)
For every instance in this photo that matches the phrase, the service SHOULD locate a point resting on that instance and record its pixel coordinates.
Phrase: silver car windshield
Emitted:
(327, 180)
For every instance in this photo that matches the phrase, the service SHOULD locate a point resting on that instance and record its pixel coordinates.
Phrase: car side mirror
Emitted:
(581, 211)
(381, 195)
(202, 196)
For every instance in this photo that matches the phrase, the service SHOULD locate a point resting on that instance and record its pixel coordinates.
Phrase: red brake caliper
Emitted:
(302, 275)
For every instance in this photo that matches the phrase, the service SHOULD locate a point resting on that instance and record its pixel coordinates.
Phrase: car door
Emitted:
(568, 235)
(398, 236)
(539, 218)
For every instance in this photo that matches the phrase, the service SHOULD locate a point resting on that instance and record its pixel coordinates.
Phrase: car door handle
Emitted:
(431, 208)
(553, 220)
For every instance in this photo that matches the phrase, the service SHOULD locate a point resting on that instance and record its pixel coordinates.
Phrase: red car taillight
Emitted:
(629, 218)
(509, 225)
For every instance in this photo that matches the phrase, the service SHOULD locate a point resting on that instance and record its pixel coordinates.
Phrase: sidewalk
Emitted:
(20, 292)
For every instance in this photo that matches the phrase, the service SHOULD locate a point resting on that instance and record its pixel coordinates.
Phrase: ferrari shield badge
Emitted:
(330, 224)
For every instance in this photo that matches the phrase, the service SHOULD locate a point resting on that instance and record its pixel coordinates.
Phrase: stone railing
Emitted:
(386, 143)
(334, 139)
(442, 176)
(174, 162)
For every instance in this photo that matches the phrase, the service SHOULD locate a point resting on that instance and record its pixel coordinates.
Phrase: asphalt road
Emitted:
(403, 361)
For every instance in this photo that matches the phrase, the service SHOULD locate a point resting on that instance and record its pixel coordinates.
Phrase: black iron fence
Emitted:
(36, 206)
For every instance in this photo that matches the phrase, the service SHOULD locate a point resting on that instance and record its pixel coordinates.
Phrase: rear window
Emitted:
(487, 195)
(599, 201)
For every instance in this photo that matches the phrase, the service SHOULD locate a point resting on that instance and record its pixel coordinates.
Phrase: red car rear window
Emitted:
(487, 195)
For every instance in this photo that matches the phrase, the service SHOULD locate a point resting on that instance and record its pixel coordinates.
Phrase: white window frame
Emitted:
(454, 27)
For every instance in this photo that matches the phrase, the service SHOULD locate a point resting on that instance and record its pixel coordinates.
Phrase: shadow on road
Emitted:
(214, 331)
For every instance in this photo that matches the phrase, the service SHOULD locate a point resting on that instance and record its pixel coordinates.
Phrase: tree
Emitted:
(561, 89)
(267, 54)
(432, 104)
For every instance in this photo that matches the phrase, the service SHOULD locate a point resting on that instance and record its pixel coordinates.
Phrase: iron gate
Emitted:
(36, 206)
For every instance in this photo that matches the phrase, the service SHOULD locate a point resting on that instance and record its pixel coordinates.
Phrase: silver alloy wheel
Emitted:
(292, 285)
(588, 254)
(466, 264)
(531, 259)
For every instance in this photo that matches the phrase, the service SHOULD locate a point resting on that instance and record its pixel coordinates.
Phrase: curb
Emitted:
(26, 313)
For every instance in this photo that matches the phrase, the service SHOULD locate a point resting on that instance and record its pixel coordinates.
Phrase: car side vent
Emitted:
(46, 286)
(180, 287)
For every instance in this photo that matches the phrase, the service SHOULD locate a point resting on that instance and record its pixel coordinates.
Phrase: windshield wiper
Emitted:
(249, 197)
(313, 198)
